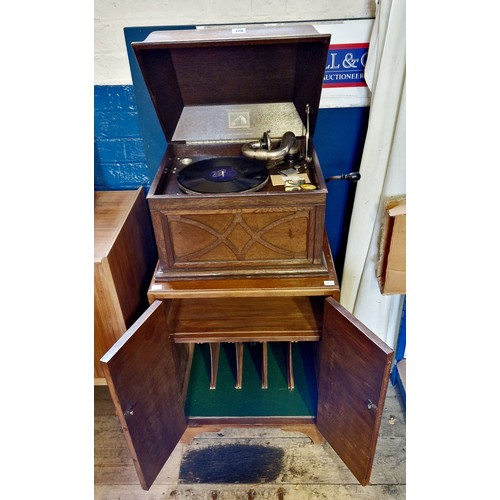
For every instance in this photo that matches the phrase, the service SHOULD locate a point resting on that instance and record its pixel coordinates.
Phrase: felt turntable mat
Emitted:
(251, 400)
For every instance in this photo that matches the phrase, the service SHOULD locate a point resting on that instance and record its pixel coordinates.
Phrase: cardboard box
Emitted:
(391, 269)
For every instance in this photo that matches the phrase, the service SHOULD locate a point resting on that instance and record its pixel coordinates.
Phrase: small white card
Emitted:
(279, 180)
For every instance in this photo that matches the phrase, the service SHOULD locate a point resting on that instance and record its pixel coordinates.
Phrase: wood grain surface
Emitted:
(145, 383)
(246, 319)
(124, 261)
(354, 370)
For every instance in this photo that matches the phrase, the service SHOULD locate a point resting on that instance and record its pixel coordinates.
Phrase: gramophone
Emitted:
(239, 191)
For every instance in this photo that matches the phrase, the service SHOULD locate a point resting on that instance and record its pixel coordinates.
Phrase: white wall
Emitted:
(111, 16)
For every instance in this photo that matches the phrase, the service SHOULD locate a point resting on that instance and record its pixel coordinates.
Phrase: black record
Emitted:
(223, 175)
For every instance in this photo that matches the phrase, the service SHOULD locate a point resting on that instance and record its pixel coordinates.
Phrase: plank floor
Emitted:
(307, 471)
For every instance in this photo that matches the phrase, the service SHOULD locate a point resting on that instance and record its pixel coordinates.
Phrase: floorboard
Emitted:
(307, 470)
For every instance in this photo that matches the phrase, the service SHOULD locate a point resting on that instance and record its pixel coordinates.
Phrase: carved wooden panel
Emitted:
(239, 235)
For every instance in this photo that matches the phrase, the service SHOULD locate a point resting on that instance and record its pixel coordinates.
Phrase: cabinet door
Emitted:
(354, 370)
(144, 381)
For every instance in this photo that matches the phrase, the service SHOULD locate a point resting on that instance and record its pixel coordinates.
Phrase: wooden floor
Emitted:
(307, 471)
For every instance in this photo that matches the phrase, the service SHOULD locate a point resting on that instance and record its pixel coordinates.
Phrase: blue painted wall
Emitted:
(119, 160)
(339, 139)
(129, 145)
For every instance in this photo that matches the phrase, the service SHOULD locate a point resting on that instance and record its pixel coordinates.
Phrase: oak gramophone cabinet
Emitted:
(215, 91)
(244, 325)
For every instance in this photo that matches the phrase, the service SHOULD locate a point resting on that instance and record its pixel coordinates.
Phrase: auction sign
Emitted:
(344, 78)
(345, 65)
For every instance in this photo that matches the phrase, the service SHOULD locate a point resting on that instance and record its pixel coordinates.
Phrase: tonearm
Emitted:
(261, 149)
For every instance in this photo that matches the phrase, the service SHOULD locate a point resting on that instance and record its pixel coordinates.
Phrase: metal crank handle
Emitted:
(352, 176)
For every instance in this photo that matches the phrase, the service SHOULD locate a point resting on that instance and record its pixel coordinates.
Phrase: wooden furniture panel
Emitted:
(109, 323)
(294, 286)
(354, 370)
(145, 358)
(124, 260)
(220, 237)
(252, 319)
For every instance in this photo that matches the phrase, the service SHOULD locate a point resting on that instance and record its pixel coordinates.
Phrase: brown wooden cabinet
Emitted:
(124, 260)
(149, 368)
(246, 267)
(215, 92)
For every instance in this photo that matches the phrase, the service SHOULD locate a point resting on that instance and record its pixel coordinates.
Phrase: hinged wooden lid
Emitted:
(234, 84)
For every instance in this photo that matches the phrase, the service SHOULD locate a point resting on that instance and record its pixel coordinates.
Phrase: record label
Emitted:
(223, 175)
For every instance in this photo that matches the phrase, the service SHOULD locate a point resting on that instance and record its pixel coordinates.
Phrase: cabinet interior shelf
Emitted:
(254, 319)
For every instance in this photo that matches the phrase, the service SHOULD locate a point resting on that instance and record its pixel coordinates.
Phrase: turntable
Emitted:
(239, 191)
(223, 175)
